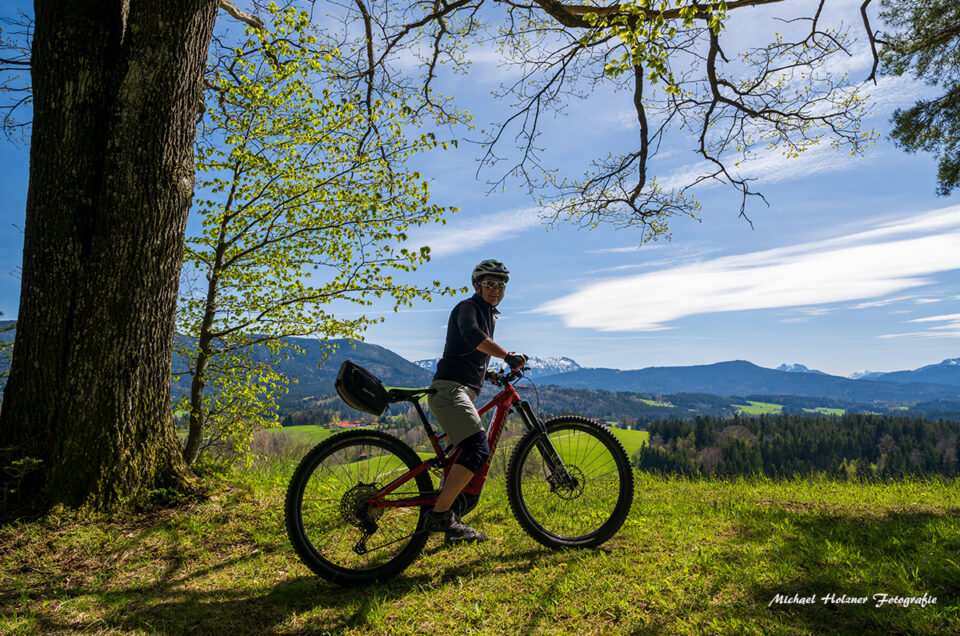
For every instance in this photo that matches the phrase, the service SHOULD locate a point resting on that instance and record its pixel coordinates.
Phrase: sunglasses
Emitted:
(493, 284)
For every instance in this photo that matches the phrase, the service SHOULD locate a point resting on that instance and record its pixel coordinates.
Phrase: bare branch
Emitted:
(871, 36)
(243, 16)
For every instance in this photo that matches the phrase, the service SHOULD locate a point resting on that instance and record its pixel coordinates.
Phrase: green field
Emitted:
(655, 403)
(631, 440)
(307, 433)
(758, 408)
(823, 410)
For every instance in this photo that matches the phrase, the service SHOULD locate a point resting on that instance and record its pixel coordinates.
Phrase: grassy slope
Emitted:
(694, 557)
(758, 408)
(631, 440)
(307, 433)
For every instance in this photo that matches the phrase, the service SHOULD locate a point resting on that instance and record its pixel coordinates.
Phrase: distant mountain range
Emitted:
(734, 378)
(539, 367)
(740, 377)
(932, 383)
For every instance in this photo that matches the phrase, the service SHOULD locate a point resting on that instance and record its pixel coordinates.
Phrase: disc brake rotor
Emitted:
(569, 489)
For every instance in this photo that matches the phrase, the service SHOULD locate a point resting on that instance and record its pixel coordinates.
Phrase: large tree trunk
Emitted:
(117, 92)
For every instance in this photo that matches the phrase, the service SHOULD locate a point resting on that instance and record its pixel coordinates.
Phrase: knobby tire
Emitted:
(583, 515)
(326, 514)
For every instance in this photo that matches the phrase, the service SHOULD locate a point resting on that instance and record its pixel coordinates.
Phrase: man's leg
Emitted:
(474, 451)
(453, 485)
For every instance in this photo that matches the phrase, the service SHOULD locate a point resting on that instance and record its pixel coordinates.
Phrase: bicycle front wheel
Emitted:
(331, 526)
(584, 502)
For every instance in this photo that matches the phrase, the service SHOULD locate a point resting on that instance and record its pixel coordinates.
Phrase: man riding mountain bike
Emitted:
(358, 506)
(458, 381)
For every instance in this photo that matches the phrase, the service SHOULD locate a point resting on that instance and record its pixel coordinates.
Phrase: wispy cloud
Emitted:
(469, 234)
(949, 329)
(871, 264)
(629, 249)
(767, 166)
(950, 317)
(883, 302)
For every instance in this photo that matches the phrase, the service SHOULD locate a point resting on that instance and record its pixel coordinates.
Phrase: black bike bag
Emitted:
(361, 389)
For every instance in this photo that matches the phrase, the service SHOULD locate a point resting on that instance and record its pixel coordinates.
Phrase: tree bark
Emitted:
(117, 93)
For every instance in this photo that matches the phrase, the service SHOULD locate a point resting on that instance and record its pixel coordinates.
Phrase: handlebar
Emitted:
(503, 378)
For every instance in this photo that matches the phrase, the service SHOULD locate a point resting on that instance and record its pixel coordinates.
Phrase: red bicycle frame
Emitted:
(503, 401)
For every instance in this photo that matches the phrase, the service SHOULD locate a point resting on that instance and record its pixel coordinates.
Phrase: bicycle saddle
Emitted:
(396, 395)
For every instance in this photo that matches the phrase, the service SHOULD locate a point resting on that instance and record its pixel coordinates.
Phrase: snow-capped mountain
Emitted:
(864, 375)
(552, 365)
(798, 368)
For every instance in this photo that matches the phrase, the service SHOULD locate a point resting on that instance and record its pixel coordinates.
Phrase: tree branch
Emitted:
(243, 16)
(871, 36)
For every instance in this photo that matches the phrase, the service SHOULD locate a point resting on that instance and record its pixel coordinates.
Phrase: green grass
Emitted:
(655, 403)
(694, 557)
(826, 411)
(758, 408)
(307, 433)
(631, 440)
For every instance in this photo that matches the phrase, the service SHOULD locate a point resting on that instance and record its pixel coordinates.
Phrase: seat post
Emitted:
(423, 417)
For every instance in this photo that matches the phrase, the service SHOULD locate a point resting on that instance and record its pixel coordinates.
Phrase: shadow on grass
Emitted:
(168, 607)
(906, 554)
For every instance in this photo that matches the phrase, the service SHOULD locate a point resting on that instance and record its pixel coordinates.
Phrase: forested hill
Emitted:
(946, 372)
(313, 379)
(859, 446)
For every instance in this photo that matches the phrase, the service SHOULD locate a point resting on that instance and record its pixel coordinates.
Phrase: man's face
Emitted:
(489, 292)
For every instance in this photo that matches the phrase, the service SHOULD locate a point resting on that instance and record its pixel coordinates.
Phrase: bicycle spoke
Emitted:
(329, 517)
(571, 506)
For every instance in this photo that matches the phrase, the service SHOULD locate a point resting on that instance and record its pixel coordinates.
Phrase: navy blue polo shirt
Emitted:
(470, 323)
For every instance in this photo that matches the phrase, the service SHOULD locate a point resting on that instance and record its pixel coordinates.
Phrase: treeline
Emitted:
(853, 446)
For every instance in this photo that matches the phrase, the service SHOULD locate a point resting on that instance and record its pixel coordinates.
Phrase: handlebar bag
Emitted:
(360, 389)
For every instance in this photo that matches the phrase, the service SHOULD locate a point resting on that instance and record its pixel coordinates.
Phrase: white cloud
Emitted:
(945, 317)
(951, 328)
(880, 303)
(622, 250)
(768, 166)
(469, 234)
(872, 264)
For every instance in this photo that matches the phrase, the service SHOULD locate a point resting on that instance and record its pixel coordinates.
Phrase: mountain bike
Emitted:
(354, 506)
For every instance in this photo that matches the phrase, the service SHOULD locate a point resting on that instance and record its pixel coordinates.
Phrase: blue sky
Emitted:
(854, 265)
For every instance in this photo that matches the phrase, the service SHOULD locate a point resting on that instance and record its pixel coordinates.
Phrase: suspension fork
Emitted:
(559, 476)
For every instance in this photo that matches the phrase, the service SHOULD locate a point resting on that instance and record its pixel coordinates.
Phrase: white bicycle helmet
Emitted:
(490, 267)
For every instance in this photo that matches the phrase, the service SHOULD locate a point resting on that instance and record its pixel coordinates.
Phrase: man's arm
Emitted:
(491, 348)
(471, 333)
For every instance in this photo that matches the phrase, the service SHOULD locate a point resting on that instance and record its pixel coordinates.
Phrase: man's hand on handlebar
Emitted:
(502, 378)
(515, 360)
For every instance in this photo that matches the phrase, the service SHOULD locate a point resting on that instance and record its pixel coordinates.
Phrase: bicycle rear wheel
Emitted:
(583, 510)
(333, 529)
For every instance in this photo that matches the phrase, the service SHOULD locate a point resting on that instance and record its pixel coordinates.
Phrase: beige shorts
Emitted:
(453, 407)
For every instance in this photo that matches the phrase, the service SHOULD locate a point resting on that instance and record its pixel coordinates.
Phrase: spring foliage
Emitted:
(306, 200)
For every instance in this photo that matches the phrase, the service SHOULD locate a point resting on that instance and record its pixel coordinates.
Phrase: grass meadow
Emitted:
(750, 556)
(758, 408)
